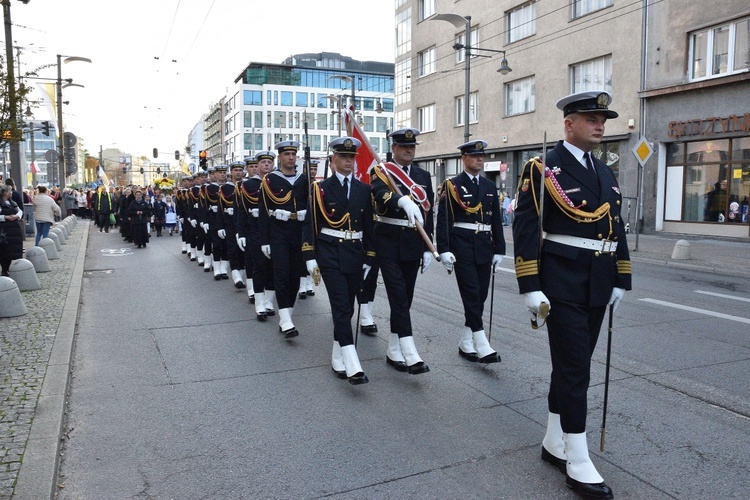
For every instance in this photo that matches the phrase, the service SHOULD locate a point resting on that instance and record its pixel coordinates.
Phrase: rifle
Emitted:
(310, 208)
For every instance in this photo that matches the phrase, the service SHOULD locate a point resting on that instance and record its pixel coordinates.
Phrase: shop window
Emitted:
(715, 180)
(609, 153)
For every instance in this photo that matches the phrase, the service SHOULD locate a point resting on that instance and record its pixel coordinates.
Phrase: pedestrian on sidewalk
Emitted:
(45, 210)
(11, 237)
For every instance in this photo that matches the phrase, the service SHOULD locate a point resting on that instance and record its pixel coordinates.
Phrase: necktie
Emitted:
(590, 165)
(346, 187)
(475, 181)
(406, 169)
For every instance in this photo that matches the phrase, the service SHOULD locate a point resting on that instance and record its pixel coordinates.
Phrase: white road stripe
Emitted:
(723, 295)
(698, 311)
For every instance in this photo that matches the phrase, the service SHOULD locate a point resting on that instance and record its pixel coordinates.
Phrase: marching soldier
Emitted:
(284, 196)
(343, 245)
(260, 279)
(470, 240)
(251, 167)
(199, 236)
(579, 268)
(229, 195)
(214, 214)
(399, 246)
(181, 207)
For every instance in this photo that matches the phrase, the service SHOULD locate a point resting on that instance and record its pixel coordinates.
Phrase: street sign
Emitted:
(642, 151)
(69, 139)
(50, 155)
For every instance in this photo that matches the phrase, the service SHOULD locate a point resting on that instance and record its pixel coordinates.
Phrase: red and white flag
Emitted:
(366, 156)
(34, 168)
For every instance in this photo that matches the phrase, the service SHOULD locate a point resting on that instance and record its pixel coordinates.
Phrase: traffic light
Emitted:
(45, 128)
(177, 154)
(203, 159)
(124, 170)
(141, 169)
(156, 153)
(158, 170)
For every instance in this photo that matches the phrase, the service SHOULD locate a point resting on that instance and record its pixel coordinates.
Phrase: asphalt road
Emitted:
(178, 392)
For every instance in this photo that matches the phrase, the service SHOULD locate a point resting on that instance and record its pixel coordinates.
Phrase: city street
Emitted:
(178, 392)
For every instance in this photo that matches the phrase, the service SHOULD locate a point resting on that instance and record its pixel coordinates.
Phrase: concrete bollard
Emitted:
(38, 258)
(681, 250)
(59, 233)
(22, 272)
(64, 228)
(11, 301)
(50, 248)
(55, 240)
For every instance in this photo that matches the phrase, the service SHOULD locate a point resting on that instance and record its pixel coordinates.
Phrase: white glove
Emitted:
(182, 220)
(230, 211)
(266, 249)
(447, 259)
(255, 212)
(214, 208)
(282, 214)
(497, 259)
(411, 209)
(426, 261)
(221, 233)
(534, 299)
(616, 297)
(193, 223)
(301, 214)
(312, 264)
(241, 242)
(366, 270)
(205, 227)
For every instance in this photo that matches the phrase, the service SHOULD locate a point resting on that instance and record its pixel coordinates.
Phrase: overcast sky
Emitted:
(136, 102)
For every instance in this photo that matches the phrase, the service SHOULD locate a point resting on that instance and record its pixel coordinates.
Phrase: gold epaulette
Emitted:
(370, 254)
(623, 267)
(306, 247)
(526, 268)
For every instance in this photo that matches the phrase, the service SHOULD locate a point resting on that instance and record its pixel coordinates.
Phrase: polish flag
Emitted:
(34, 168)
(366, 156)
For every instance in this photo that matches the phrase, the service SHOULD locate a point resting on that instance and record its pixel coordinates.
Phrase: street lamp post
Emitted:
(461, 21)
(60, 144)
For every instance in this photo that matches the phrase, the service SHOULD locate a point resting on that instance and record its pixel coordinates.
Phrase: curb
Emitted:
(38, 471)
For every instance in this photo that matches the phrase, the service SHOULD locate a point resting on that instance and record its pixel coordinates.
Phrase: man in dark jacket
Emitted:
(104, 205)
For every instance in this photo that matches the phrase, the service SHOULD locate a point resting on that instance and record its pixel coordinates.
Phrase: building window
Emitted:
(426, 118)
(473, 109)
(381, 124)
(301, 99)
(403, 82)
(403, 32)
(708, 181)
(519, 97)
(426, 62)
(426, 9)
(247, 119)
(461, 40)
(583, 7)
(252, 98)
(287, 98)
(279, 119)
(322, 121)
(595, 74)
(521, 22)
(720, 50)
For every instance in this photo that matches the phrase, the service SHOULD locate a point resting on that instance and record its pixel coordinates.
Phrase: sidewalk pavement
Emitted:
(37, 350)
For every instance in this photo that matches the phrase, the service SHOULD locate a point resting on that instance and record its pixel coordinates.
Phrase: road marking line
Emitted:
(722, 295)
(699, 311)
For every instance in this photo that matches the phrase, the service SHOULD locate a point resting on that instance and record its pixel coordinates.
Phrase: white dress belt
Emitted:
(585, 243)
(393, 222)
(346, 235)
(474, 226)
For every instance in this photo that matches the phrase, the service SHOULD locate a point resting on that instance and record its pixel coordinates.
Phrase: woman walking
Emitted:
(45, 210)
